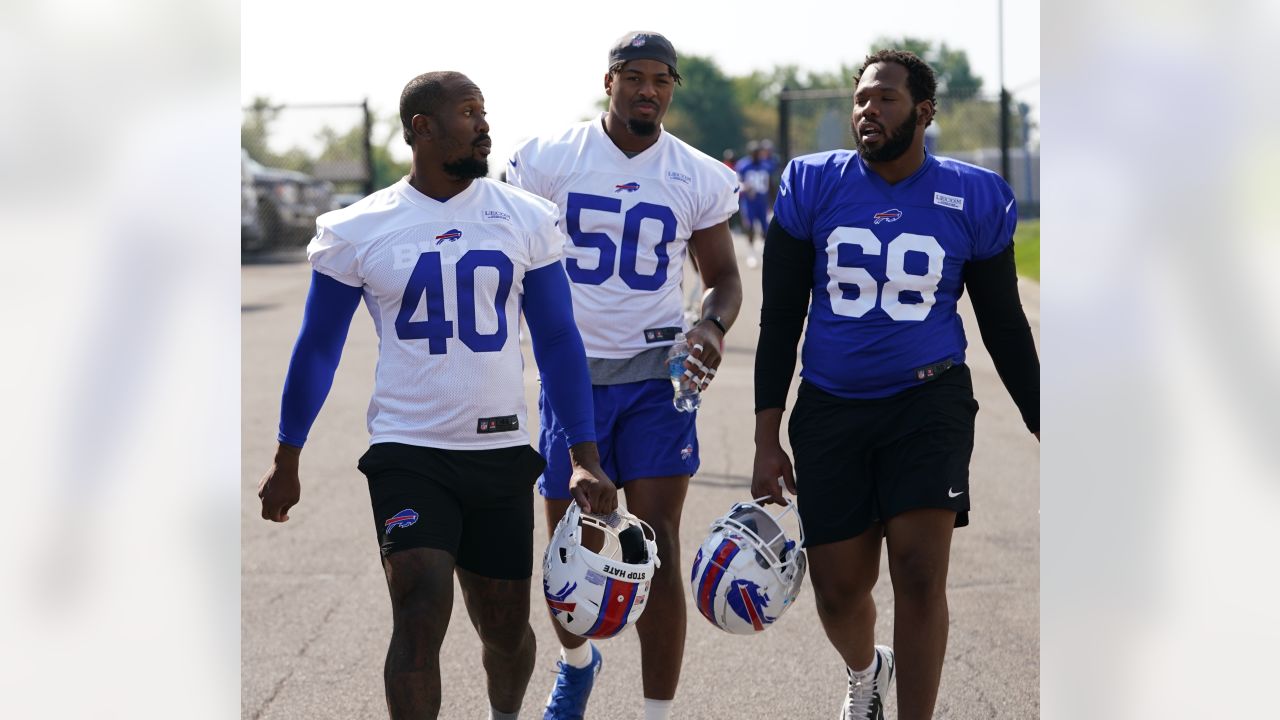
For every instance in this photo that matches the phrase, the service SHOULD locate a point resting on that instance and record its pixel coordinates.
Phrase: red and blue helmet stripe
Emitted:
(618, 597)
(712, 575)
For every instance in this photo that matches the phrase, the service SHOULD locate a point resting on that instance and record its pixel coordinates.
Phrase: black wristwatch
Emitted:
(715, 320)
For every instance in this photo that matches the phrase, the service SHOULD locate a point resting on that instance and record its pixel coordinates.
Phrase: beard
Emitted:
(467, 168)
(896, 141)
(643, 128)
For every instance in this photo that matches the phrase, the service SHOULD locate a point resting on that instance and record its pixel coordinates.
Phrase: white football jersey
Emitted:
(443, 282)
(626, 222)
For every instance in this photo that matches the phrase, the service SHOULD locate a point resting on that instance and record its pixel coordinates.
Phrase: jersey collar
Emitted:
(416, 197)
(901, 186)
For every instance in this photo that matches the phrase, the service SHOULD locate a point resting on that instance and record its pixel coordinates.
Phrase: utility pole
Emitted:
(1004, 94)
(371, 183)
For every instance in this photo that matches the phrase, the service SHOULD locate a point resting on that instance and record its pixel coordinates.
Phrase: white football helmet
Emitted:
(595, 594)
(748, 571)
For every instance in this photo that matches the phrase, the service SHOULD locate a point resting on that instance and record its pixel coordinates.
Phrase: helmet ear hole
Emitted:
(564, 555)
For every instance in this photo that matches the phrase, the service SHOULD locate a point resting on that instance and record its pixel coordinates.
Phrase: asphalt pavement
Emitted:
(315, 616)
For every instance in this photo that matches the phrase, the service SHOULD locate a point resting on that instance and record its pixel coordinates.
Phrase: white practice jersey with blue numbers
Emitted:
(626, 223)
(443, 282)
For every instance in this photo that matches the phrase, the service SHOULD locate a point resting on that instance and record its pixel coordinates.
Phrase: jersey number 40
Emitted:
(428, 280)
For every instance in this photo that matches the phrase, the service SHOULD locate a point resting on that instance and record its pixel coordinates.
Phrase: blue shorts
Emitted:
(755, 212)
(639, 432)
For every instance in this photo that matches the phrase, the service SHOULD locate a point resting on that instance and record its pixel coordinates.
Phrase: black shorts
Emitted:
(858, 462)
(476, 505)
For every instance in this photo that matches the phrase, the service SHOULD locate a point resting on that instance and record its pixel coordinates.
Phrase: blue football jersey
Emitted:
(888, 265)
(755, 175)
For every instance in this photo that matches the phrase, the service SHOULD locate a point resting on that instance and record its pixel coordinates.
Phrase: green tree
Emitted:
(814, 123)
(348, 147)
(705, 112)
(255, 128)
(966, 120)
(955, 77)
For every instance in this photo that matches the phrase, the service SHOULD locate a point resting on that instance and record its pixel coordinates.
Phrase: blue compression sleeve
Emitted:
(557, 347)
(325, 321)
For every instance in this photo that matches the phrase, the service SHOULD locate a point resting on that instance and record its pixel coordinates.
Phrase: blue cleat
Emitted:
(568, 699)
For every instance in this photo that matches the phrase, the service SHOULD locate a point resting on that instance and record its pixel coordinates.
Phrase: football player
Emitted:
(875, 247)
(635, 202)
(445, 260)
(756, 173)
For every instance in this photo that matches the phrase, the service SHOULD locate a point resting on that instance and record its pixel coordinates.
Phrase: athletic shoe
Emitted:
(866, 698)
(568, 699)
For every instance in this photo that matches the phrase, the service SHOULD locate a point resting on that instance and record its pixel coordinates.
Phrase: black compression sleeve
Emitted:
(787, 283)
(993, 288)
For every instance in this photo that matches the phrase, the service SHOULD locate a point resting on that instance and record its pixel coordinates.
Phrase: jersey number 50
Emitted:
(627, 270)
(428, 279)
(843, 278)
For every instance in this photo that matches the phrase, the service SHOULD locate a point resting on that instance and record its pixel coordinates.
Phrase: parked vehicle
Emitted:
(288, 203)
(250, 230)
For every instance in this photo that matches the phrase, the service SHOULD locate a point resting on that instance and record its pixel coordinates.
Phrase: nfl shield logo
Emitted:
(637, 41)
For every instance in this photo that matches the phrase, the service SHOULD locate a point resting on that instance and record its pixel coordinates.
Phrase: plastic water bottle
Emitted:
(687, 397)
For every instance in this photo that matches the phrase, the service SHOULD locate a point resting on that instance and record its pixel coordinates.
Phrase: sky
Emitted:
(541, 65)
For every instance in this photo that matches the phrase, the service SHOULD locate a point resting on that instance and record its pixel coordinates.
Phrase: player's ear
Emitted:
(925, 113)
(608, 84)
(421, 125)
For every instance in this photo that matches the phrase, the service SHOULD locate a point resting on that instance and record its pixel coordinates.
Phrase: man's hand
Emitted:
(706, 348)
(589, 486)
(772, 466)
(772, 469)
(280, 488)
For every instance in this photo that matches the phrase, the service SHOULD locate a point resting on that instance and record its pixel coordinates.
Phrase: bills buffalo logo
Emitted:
(402, 519)
(638, 41)
(748, 603)
(888, 216)
(697, 563)
(629, 187)
(449, 235)
(556, 601)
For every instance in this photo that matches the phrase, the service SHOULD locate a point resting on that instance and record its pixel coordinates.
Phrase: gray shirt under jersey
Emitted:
(650, 364)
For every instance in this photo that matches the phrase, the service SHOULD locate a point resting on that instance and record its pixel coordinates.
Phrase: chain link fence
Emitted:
(298, 161)
(966, 128)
